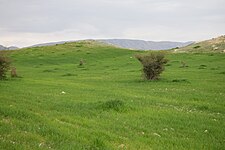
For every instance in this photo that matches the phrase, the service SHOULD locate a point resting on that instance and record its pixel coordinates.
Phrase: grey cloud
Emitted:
(145, 19)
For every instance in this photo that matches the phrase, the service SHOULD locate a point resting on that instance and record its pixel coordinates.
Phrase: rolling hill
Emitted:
(213, 45)
(56, 103)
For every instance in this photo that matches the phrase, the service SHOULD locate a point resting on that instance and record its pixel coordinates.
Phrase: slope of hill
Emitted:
(51, 43)
(213, 45)
(56, 103)
(145, 45)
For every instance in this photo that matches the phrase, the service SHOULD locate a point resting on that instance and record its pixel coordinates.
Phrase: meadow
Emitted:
(105, 103)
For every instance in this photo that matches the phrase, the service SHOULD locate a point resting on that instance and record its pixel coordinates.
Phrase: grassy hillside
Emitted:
(105, 104)
(215, 45)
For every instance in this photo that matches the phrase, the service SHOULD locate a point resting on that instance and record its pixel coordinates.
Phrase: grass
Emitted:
(105, 104)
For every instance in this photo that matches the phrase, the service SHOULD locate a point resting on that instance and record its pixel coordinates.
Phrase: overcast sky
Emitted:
(28, 22)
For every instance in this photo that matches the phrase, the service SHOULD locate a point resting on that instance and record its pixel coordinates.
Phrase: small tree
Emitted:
(153, 65)
(4, 66)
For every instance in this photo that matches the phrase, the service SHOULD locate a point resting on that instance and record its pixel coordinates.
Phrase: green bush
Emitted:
(153, 65)
(4, 66)
(196, 46)
(116, 105)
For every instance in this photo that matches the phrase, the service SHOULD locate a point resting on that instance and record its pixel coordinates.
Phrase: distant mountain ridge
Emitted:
(145, 45)
(8, 48)
(50, 43)
(130, 44)
(211, 45)
(2, 47)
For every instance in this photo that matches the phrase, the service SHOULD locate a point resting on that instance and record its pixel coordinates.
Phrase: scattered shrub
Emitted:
(69, 74)
(222, 72)
(4, 66)
(202, 67)
(116, 105)
(180, 80)
(48, 70)
(81, 62)
(216, 68)
(13, 72)
(183, 64)
(79, 45)
(153, 65)
(196, 47)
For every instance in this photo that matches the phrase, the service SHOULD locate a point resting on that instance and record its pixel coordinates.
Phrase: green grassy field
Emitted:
(105, 104)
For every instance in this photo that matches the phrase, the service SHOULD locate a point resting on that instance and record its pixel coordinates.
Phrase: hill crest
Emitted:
(215, 45)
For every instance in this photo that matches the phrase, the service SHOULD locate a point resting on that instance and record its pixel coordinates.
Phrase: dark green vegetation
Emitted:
(153, 65)
(105, 104)
(4, 66)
